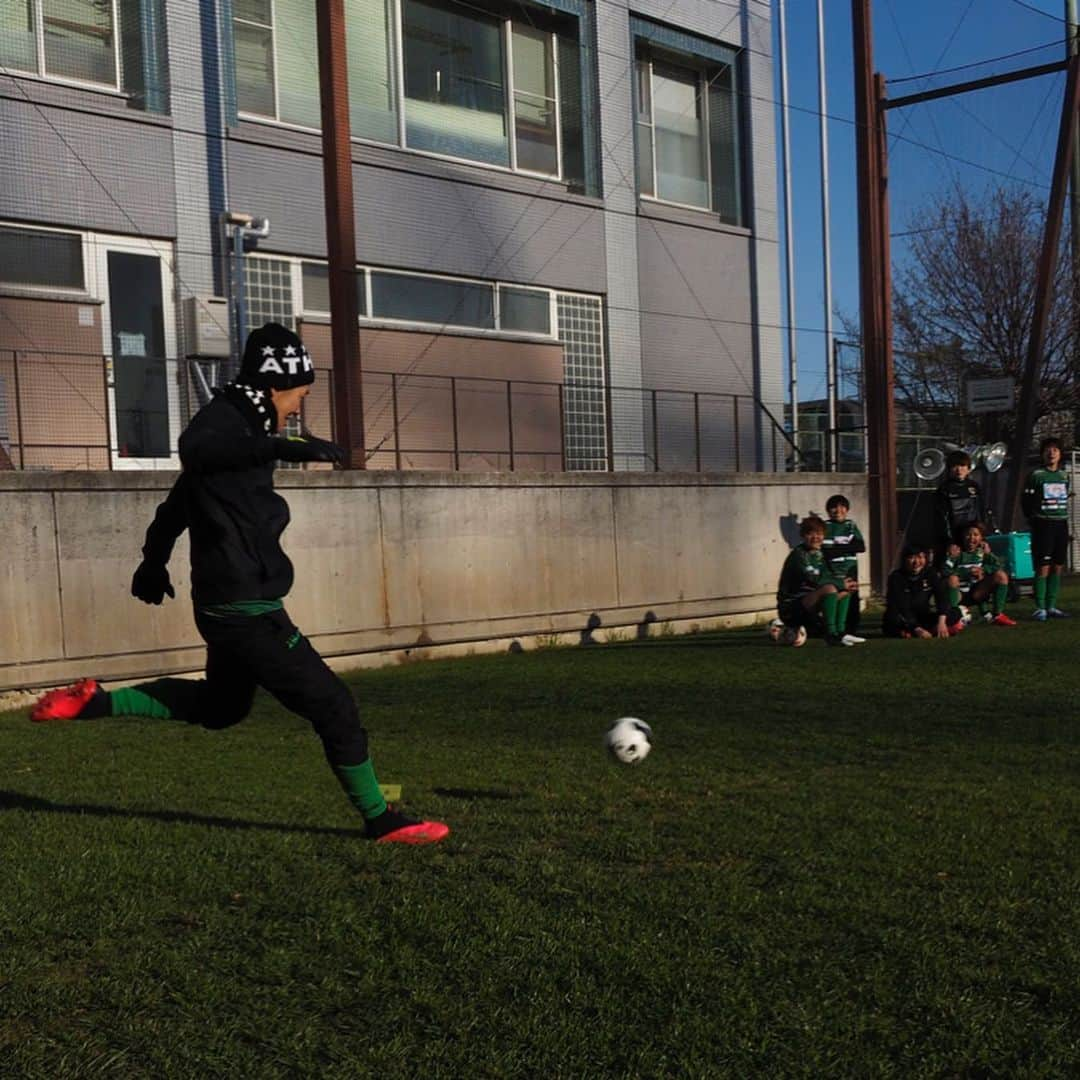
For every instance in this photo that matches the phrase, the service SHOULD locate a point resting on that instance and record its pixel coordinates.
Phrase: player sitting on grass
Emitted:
(225, 499)
(917, 600)
(977, 571)
(809, 592)
(843, 542)
(1046, 504)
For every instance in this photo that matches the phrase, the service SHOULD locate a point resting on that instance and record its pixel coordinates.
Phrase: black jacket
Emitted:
(912, 601)
(959, 503)
(225, 498)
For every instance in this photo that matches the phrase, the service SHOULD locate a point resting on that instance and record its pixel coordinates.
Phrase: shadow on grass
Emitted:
(476, 793)
(12, 800)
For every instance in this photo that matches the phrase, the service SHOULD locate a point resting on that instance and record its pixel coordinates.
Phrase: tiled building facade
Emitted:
(577, 192)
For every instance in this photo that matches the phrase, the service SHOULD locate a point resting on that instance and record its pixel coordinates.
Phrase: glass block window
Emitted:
(268, 285)
(581, 331)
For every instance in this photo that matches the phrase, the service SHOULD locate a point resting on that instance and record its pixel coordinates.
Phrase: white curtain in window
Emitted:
(681, 164)
(372, 76)
(534, 100)
(296, 49)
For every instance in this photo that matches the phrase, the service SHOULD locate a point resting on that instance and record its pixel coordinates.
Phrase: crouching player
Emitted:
(977, 571)
(809, 593)
(917, 600)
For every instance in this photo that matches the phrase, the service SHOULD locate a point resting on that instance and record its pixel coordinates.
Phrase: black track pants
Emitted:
(243, 653)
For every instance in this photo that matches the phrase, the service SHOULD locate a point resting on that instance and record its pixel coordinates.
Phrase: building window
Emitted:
(315, 278)
(526, 310)
(277, 70)
(673, 161)
(116, 44)
(451, 78)
(400, 296)
(41, 258)
(686, 129)
(443, 301)
(66, 39)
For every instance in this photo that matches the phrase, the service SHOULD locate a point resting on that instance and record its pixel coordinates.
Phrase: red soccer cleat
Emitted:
(1001, 619)
(66, 703)
(423, 832)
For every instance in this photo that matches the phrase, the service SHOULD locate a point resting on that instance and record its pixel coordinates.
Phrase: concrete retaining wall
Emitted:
(394, 564)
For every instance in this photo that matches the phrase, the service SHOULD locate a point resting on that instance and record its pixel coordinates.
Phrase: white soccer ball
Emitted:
(776, 630)
(794, 635)
(629, 740)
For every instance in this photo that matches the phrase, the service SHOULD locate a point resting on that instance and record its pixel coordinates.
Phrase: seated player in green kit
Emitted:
(809, 592)
(977, 572)
(225, 499)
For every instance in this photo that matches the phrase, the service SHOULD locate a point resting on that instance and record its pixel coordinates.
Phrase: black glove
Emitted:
(306, 448)
(151, 582)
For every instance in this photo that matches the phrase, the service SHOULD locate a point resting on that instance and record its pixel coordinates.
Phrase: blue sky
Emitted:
(1001, 135)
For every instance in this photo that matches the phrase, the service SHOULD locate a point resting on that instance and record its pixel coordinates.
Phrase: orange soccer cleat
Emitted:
(67, 703)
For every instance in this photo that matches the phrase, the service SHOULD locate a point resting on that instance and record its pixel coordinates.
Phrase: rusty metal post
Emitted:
(397, 431)
(562, 427)
(18, 413)
(510, 419)
(340, 230)
(453, 410)
(655, 436)
(108, 426)
(875, 300)
(1044, 291)
(738, 449)
(697, 432)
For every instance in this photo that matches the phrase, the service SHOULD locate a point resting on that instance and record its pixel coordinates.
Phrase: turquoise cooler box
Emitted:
(1014, 550)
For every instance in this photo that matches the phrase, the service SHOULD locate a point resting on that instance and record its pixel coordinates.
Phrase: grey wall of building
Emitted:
(416, 213)
(84, 159)
(681, 290)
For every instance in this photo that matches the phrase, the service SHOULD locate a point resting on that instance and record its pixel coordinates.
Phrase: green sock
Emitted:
(828, 607)
(954, 598)
(359, 783)
(1001, 594)
(1040, 591)
(131, 701)
(841, 613)
(1053, 583)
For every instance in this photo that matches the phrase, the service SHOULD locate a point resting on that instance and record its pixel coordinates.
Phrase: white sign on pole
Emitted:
(990, 395)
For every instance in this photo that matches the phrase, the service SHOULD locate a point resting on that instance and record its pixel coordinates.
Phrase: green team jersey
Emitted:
(804, 570)
(961, 565)
(1046, 495)
(843, 542)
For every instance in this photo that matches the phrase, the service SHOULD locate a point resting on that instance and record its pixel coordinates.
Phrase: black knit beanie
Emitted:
(275, 358)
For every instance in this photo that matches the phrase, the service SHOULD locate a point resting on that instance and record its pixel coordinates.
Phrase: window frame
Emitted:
(397, 44)
(701, 96)
(115, 87)
(8, 288)
(301, 310)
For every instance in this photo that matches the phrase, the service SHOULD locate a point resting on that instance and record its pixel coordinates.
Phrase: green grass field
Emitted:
(836, 863)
